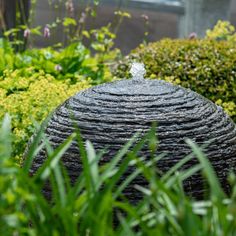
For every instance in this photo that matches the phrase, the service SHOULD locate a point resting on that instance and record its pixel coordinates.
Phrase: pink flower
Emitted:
(46, 32)
(58, 67)
(26, 33)
(145, 17)
(193, 35)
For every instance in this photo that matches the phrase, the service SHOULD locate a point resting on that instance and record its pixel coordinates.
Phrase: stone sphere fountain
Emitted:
(108, 115)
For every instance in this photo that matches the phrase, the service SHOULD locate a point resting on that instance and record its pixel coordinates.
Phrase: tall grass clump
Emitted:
(96, 205)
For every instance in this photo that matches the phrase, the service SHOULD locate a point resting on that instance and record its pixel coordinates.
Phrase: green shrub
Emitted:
(91, 205)
(205, 66)
(32, 98)
(68, 63)
(35, 82)
(223, 30)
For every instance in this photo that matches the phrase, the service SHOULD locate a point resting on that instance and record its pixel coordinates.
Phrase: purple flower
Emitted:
(26, 33)
(193, 35)
(58, 67)
(46, 32)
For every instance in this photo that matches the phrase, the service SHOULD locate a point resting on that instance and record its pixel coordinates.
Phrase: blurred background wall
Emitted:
(164, 21)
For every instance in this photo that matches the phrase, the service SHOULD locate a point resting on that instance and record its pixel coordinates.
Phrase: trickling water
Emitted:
(138, 71)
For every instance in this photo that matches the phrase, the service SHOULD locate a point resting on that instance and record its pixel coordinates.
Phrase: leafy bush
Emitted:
(32, 98)
(223, 30)
(34, 82)
(96, 201)
(205, 66)
(68, 63)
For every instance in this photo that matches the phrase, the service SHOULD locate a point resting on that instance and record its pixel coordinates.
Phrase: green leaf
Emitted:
(5, 138)
(208, 171)
(86, 34)
(36, 30)
(93, 163)
(33, 147)
(52, 161)
(11, 31)
(69, 21)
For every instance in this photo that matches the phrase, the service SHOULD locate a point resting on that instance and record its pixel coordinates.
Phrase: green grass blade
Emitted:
(85, 161)
(126, 229)
(60, 184)
(93, 163)
(179, 164)
(5, 138)
(183, 175)
(208, 171)
(52, 161)
(33, 149)
(134, 174)
(116, 159)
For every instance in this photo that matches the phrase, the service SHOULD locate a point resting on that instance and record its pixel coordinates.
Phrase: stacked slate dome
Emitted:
(108, 115)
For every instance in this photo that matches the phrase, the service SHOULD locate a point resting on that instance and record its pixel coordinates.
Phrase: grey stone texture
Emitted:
(108, 115)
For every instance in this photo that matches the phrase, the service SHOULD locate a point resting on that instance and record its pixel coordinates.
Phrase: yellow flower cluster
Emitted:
(229, 107)
(30, 99)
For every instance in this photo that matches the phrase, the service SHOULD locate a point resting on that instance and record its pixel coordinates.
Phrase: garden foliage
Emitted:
(207, 66)
(223, 30)
(96, 205)
(33, 83)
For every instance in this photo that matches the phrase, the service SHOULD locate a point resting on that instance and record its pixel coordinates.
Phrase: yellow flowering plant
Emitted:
(223, 30)
(30, 99)
(35, 81)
